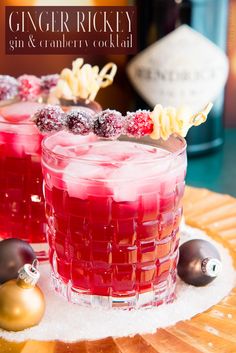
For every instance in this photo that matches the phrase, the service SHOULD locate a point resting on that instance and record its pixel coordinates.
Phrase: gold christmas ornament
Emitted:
(22, 303)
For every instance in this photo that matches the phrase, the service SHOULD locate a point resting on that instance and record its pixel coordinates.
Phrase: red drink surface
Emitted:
(113, 212)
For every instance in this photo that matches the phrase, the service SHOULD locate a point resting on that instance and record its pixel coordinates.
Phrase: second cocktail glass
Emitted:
(21, 195)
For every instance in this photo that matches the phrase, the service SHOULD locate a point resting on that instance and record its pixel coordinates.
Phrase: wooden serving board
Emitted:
(211, 331)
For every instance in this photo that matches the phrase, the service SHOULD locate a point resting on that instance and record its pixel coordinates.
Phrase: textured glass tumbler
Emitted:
(21, 195)
(113, 211)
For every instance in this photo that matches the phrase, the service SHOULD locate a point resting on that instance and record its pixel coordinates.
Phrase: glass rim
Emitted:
(24, 122)
(17, 123)
(83, 103)
(28, 121)
(170, 155)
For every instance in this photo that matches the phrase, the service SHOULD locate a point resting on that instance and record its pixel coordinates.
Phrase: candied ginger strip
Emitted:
(168, 121)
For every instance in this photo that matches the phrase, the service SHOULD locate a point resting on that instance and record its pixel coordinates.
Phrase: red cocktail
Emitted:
(21, 196)
(113, 211)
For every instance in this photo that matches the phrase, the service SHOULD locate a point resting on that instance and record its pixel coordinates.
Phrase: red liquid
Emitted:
(102, 245)
(118, 246)
(22, 212)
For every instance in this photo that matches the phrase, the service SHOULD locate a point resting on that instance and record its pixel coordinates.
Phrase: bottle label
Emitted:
(183, 68)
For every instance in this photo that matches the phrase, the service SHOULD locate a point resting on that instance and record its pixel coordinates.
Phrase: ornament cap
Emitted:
(211, 267)
(29, 274)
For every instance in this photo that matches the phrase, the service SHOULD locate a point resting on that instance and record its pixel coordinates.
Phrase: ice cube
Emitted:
(65, 151)
(125, 182)
(82, 178)
(29, 144)
(131, 179)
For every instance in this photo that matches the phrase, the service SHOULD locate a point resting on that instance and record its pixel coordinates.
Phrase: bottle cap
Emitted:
(211, 267)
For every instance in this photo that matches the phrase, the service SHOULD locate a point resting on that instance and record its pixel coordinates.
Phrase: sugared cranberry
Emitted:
(80, 122)
(48, 82)
(109, 124)
(8, 87)
(139, 123)
(29, 87)
(49, 118)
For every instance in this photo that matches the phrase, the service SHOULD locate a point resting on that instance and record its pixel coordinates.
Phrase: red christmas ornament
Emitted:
(199, 262)
(14, 253)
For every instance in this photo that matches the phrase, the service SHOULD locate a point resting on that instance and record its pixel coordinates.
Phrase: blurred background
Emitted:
(212, 156)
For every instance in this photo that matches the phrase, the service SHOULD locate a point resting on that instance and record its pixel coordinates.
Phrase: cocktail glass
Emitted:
(22, 212)
(113, 210)
(21, 197)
